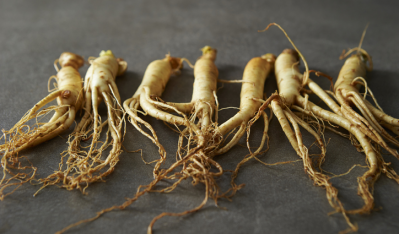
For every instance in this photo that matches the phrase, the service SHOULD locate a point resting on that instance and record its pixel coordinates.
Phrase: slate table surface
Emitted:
(276, 199)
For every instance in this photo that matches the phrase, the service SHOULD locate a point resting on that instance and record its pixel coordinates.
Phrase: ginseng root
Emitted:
(375, 161)
(347, 93)
(198, 161)
(254, 77)
(69, 95)
(290, 85)
(200, 132)
(363, 129)
(255, 74)
(154, 81)
(86, 166)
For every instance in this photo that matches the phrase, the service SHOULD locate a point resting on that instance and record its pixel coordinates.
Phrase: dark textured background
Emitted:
(277, 199)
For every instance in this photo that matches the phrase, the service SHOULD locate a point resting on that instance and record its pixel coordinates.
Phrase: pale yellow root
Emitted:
(131, 105)
(16, 139)
(369, 125)
(196, 164)
(255, 74)
(265, 137)
(290, 83)
(290, 63)
(364, 188)
(381, 116)
(22, 136)
(143, 99)
(83, 167)
(154, 81)
(201, 135)
(347, 92)
(319, 178)
(358, 127)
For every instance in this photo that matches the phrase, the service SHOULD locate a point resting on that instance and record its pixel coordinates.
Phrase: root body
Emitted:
(22, 135)
(83, 167)
(290, 84)
(154, 82)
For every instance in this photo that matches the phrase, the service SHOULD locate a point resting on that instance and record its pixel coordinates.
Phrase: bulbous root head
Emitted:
(71, 59)
(24, 135)
(84, 166)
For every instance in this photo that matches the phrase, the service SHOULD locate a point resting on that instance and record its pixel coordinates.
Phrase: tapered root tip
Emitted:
(291, 51)
(71, 59)
(271, 58)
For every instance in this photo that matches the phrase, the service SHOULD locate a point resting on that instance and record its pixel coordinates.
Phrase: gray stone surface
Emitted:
(276, 199)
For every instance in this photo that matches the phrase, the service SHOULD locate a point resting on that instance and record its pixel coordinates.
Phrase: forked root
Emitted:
(19, 140)
(291, 83)
(152, 86)
(360, 135)
(24, 135)
(368, 123)
(131, 106)
(319, 178)
(197, 166)
(375, 161)
(347, 93)
(367, 181)
(84, 167)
